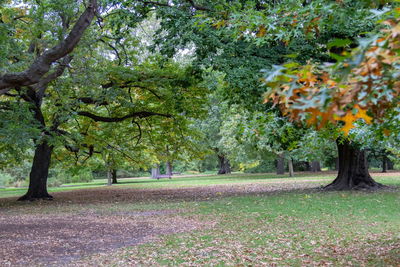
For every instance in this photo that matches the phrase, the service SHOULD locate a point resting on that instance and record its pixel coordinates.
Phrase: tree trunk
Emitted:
(337, 164)
(390, 165)
(280, 164)
(114, 176)
(39, 173)
(384, 164)
(353, 169)
(290, 167)
(307, 166)
(109, 177)
(168, 168)
(224, 165)
(315, 166)
(155, 171)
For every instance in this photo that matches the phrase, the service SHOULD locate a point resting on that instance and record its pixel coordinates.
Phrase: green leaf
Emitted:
(339, 43)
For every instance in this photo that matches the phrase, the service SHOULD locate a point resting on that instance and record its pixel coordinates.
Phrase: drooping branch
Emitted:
(139, 114)
(43, 63)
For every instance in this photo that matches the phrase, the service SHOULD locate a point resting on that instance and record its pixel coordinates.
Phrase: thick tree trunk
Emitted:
(280, 164)
(315, 166)
(353, 170)
(337, 164)
(168, 168)
(224, 165)
(39, 173)
(290, 167)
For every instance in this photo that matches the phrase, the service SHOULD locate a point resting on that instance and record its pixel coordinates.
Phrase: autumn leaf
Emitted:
(261, 31)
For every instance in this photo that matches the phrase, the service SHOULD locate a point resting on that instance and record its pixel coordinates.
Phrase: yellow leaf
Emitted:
(261, 31)
(362, 114)
(348, 120)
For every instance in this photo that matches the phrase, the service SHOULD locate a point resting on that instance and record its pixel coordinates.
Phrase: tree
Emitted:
(360, 86)
(210, 127)
(239, 38)
(67, 111)
(31, 84)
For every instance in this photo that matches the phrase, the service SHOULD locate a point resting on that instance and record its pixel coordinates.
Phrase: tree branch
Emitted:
(43, 63)
(139, 114)
(92, 101)
(43, 83)
(191, 2)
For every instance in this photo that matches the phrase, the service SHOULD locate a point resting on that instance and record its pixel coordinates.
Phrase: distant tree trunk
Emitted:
(353, 169)
(384, 164)
(280, 164)
(168, 168)
(390, 165)
(155, 171)
(290, 166)
(109, 177)
(315, 166)
(224, 164)
(114, 176)
(307, 166)
(39, 173)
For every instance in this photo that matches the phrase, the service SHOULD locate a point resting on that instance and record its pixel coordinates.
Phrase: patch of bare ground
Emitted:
(124, 194)
(48, 240)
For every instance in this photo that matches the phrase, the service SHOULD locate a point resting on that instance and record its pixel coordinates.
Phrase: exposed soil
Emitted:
(30, 240)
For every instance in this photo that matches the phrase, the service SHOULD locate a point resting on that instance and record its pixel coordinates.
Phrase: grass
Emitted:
(286, 228)
(192, 181)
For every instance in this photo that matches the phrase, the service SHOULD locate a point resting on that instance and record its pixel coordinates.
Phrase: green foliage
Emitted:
(59, 176)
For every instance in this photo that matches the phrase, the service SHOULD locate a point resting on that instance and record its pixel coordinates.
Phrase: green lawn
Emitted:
(280, 228)
(193, 181)
(287, 229)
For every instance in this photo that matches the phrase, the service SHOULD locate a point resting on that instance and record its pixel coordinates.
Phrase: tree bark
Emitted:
(384, 164)
(43, 63)
(290, 167)
(280, 164)
(155, 171)
(353, 169)
(315, 166)
(224, 165)
(337, 164)
(168, 168)
(390, 165)
(39, 173)
(308, 166)
(114, 176)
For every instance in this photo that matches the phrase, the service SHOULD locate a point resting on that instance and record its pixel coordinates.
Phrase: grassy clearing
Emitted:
(283, 228)
(290, 229)
(198, 180)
